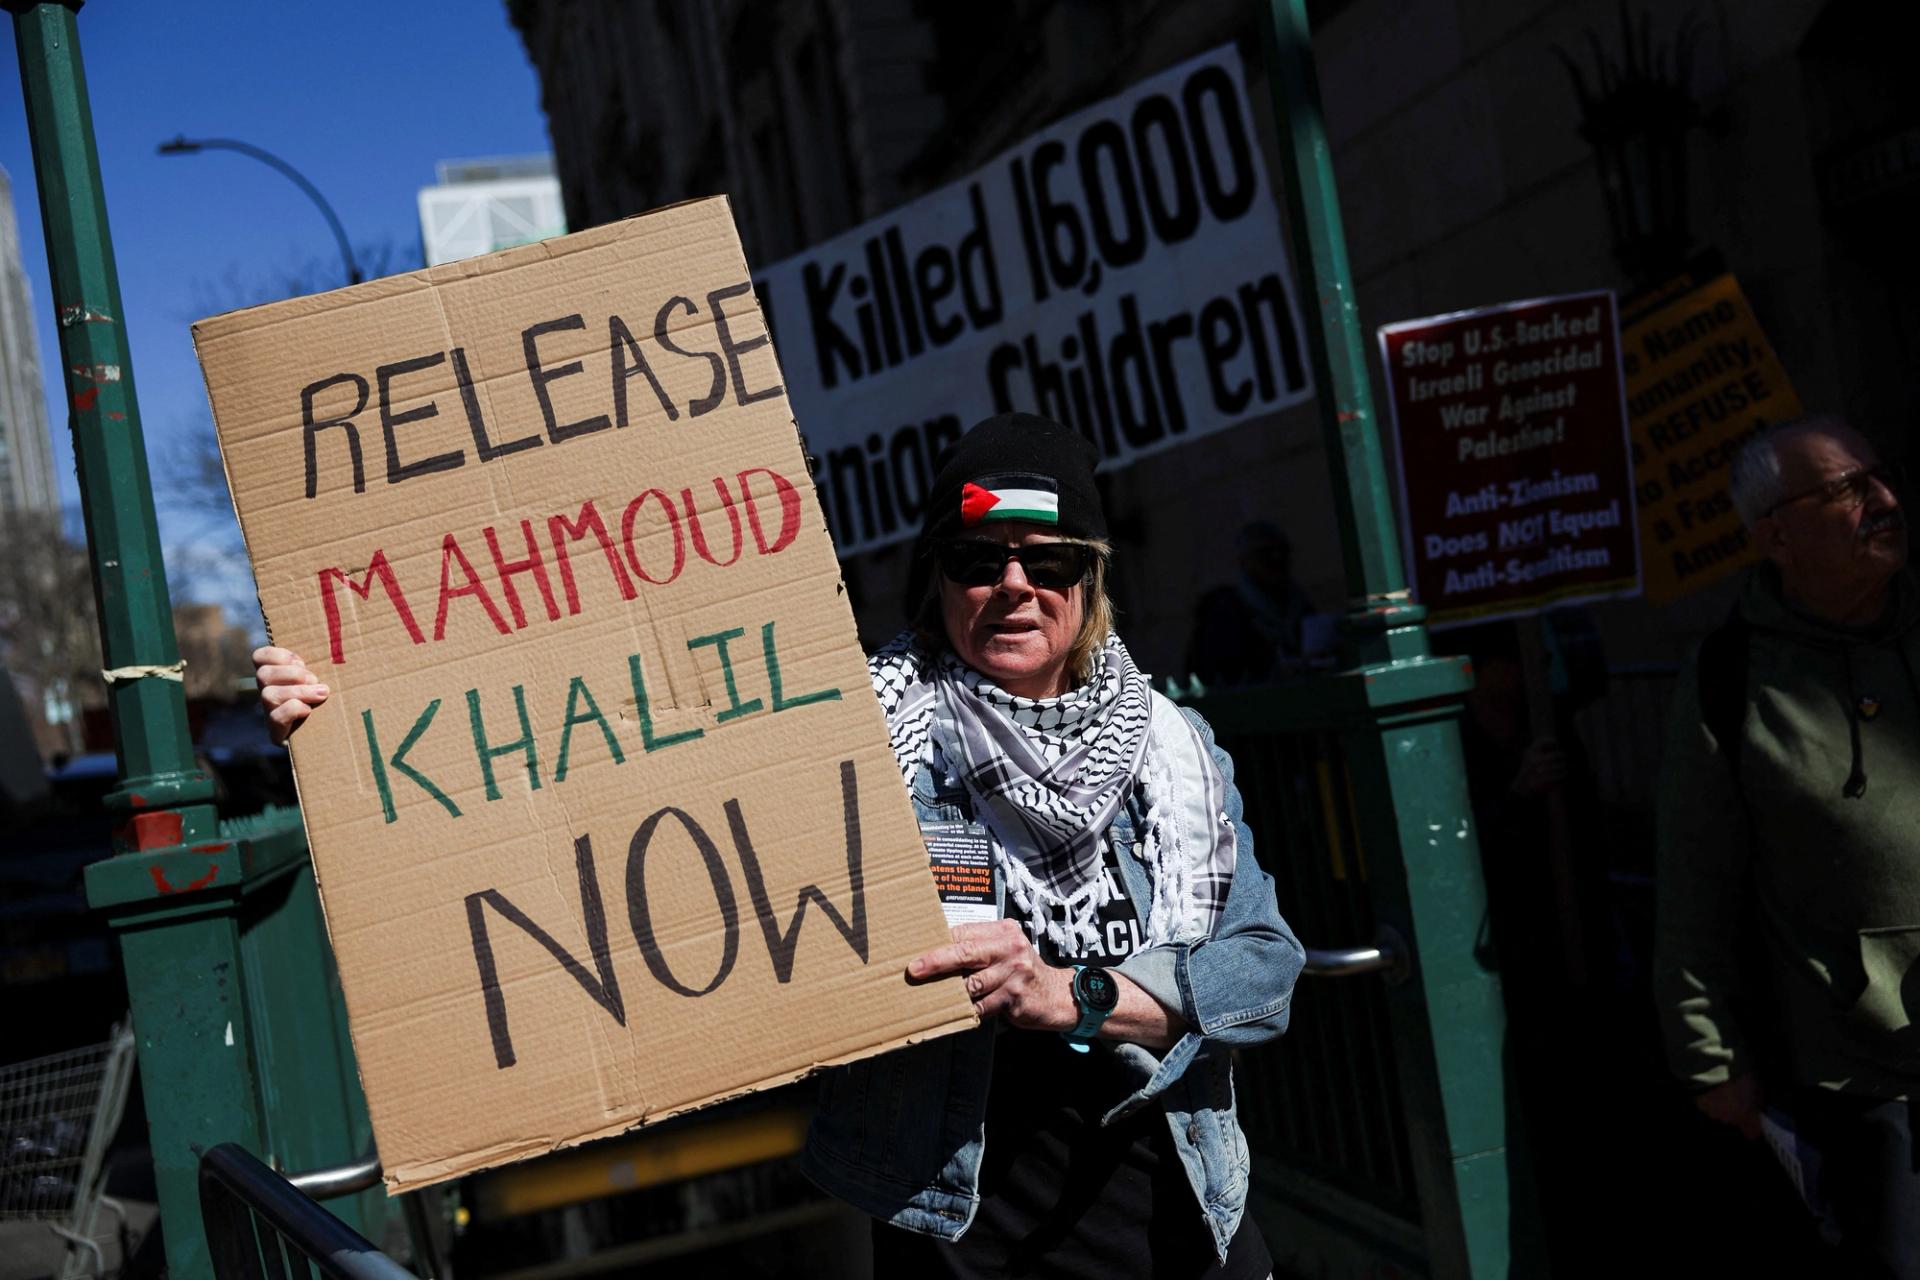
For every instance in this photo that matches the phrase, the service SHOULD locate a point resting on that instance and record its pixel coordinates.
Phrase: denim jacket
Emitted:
(901, 1136)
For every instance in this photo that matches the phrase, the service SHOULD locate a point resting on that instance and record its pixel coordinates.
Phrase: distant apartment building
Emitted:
(482, 205)
(26, 450)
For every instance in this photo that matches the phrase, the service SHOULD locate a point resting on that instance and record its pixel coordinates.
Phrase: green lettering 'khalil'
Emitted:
(522, 744)
(575, 693)
(781, 703)
(645, 713)
(398, 763)
(735, 707)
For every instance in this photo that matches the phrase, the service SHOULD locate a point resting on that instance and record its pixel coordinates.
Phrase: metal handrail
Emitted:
(239, 1196)
(1388, 955)
(339, 1179)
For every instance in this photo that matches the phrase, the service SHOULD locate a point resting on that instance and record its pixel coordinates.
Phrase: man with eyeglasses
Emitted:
(1787, 945)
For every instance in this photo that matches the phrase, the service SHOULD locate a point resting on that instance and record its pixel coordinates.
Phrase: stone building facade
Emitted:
(1465, 179)
(27, 482)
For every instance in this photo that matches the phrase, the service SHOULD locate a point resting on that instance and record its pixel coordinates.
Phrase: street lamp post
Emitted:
(188, 146)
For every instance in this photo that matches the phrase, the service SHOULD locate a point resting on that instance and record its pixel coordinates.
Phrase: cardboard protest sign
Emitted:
(1121, 272)
(602, 807)
(1514, 479)
(1701, 381)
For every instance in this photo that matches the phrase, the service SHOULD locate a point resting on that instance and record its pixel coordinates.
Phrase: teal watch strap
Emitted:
(1096, 994)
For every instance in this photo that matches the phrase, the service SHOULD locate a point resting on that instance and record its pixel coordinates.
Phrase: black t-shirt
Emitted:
(1059, 1194)
(1118, 926)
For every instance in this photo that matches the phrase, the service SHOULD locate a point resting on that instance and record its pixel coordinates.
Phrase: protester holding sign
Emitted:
(1109, 920)
(1122, 941)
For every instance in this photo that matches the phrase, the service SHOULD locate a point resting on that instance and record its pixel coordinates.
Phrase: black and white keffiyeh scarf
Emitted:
(1048, 776)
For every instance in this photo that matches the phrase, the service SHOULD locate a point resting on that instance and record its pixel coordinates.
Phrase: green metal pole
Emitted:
(235, 1001)
(179, 930)
(1448, 1019)
(163, 797)
(1382, 622)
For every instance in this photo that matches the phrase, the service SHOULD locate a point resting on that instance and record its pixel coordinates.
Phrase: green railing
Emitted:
(259, 1225)
(1378, 1124)
(1323, 1103)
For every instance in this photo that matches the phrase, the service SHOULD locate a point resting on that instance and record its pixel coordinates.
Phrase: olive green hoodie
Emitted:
(1789, 906)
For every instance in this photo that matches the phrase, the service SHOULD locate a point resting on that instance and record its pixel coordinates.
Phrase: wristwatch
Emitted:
(1096, 992)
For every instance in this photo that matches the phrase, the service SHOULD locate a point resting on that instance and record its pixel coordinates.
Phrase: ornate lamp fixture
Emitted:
(1636, 111)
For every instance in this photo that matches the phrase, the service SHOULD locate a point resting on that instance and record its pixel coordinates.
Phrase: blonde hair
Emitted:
(1096, 619)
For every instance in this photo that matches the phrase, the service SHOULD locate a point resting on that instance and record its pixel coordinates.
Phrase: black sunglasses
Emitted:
(971, 562)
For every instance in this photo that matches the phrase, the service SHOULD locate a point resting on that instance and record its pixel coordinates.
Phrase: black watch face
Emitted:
(1097, 989)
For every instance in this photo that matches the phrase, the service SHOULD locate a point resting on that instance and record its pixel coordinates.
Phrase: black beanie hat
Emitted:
(1013, 466)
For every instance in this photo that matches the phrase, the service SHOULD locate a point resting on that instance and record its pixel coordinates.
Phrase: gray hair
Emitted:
(1755, 482)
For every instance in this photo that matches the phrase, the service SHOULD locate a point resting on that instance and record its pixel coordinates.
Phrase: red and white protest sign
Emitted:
(1516, 484)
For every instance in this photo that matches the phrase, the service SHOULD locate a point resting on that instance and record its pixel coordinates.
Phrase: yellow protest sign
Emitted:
(1701, 381)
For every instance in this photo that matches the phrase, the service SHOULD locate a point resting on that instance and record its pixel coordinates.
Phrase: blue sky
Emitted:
(361, 96)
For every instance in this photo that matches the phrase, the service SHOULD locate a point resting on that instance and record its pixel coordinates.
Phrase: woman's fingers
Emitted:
(1004, 975)
(974, 947)
(277, 695)
(283, 719)
(289, 712)
(288, 690)
(955, 957)
(998, 988)
(289, 704)
(273, 666)
(1025, 991)
(269, 677)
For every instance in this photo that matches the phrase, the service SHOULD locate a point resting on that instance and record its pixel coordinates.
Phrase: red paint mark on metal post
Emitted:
(161, 883)
(155, 830)
(86, 399)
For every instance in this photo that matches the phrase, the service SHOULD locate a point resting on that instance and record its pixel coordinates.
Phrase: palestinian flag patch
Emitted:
(1012, 496)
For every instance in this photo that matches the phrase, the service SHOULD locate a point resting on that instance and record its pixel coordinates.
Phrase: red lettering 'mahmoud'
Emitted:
(562, 530)
(789, 510)
(377, 568)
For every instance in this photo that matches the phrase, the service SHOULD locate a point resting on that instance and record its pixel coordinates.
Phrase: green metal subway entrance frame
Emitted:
(1376, 750)
(241, 1031)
